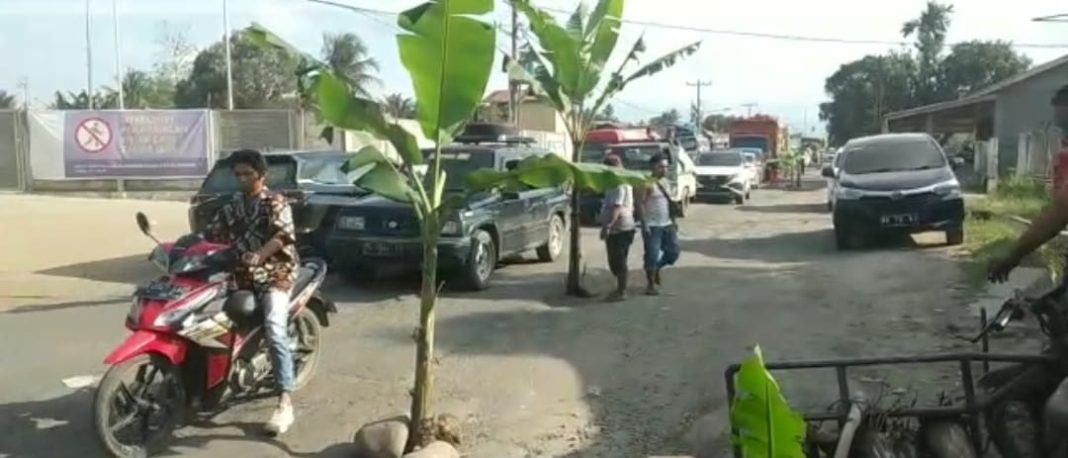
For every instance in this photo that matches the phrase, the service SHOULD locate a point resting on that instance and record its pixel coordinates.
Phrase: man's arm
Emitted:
(218, 230)
(1050, 223)
(281, 225)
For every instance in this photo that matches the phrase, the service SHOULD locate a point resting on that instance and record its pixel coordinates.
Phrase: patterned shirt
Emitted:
(247, 223)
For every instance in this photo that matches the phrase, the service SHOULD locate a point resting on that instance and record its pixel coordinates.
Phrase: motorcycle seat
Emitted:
(305, 275)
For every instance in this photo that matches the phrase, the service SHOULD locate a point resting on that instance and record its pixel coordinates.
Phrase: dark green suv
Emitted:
(377, 233)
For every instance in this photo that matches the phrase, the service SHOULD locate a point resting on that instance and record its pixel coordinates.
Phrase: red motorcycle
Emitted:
(189, 351)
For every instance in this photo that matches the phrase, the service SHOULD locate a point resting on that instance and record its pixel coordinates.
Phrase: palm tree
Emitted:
(399, 106)
(930, 31)
(346, 54)
(7, 100)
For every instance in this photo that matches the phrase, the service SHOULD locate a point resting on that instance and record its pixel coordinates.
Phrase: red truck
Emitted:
(760, 131)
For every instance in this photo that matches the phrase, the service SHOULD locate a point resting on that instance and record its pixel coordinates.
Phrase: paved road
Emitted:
(529, 371)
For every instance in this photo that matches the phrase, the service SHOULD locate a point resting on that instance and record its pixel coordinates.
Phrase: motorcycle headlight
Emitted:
(847, 193)
(177, 314)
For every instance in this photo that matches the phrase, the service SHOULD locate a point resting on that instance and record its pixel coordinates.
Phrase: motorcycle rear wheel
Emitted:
(153, 414)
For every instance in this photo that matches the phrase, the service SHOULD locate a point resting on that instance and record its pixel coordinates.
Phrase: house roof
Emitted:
(986, 94)
(501, 96)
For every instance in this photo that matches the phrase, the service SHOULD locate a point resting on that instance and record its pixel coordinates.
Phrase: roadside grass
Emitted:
(991, 234)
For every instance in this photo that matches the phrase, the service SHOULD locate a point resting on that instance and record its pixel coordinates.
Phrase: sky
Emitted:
(44, 43)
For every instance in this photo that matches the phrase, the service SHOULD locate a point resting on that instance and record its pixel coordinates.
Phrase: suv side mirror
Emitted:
(956, 162)
(827, 172)
(510, 195)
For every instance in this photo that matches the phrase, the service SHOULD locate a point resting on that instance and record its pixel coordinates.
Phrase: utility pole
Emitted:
(699, 84)
(513, 86)
(749, 109)
(89, 54)
(229, 64)
(118, 54)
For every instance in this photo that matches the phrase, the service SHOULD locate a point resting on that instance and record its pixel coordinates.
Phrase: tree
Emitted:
(262, 77)
(974, 65)
(347, 56)
(668, 118)
(105, 99)
(399, 106)
(930, 31)
(143, 90)
(863, 91)
(174, 61)
(448, 51)
(7, 100)
(568, 69)
(608, 114)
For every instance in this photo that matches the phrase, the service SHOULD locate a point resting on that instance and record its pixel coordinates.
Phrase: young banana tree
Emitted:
(448, 52)
(567, 69)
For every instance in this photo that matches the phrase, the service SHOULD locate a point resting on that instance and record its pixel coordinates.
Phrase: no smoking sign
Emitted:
(93, 135)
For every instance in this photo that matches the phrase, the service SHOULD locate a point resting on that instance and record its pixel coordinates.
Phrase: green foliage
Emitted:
(765, 426)
(7, 100)
(862, 92)
(262, 77)
(399, 106)
(347, 56)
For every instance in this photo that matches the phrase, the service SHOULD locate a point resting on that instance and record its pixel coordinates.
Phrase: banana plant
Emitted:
(567, 69)
(448, 52)
(762, 423)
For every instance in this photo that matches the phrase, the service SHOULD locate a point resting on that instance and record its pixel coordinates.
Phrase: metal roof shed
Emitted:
(1003, 110)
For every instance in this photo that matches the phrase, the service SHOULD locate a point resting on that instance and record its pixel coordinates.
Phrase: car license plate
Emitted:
(378, 249)
(899, 220)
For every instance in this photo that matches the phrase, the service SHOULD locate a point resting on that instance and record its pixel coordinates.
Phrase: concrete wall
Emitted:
(1024, 108)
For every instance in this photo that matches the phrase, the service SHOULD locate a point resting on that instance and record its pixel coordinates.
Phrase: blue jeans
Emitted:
(661, 246)
(276, 314)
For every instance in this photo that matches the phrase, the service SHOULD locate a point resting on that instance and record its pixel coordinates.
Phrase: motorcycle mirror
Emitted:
(144, 224)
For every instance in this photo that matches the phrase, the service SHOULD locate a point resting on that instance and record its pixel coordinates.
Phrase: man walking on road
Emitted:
(658, 225)
(617, 230)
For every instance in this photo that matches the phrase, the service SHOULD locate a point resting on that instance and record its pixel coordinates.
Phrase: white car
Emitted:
(724, 174)
(834, 165)
(756, 171)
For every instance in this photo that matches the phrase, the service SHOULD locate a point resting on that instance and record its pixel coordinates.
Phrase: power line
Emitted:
(740, 33)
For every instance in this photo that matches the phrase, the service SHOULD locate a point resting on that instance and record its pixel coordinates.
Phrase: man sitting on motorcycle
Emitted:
(258, 224)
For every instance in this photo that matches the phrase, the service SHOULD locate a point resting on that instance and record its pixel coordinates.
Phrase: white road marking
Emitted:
(81, 381)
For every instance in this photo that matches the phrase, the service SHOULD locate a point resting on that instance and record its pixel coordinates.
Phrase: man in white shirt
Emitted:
(658, 227)
(617, 230)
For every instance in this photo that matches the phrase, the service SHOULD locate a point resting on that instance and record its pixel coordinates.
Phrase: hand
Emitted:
(251, 259)
(999, 269)
(604, 233)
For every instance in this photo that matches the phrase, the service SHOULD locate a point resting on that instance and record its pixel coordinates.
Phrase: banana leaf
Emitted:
(763, 424)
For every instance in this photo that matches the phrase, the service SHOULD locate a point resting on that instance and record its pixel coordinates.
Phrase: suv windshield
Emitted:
(720, 159)
(281, 174)
(636, 157)
(894, 155)
(457, 163)
(324, 170)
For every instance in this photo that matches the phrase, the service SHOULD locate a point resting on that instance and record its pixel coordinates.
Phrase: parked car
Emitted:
(377, 233)
(312, 180)
(895, 184)
(724, 175)
(835, 163)
(636, 147)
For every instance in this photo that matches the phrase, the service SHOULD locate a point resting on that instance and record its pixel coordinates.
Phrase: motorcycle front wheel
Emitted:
(307, 333)
(135, 418)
